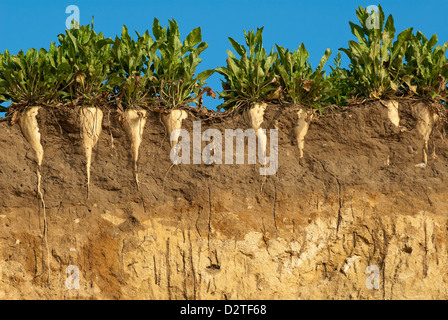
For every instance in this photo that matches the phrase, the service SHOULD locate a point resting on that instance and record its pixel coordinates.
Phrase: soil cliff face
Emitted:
(359, 216)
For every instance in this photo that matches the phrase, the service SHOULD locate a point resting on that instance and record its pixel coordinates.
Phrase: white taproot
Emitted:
(173, 121)
(301, 129)
(134, 121)
(91, 124)
(425, 123)
(392, 112)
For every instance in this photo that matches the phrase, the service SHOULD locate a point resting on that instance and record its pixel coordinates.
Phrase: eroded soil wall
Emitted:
(359, 197)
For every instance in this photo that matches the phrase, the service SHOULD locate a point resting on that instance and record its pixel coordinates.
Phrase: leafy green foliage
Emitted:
(159, 71)
(27, 78)
(340, 80)
(175, 66)
(300, 83)
(376, 60)
(132, 74)
(426, 71)
(249, 78)
(86, 59)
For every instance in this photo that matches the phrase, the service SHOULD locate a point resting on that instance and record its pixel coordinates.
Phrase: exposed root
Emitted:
(392, 111)
(134, 121)
(254, 116)
(164, 176)
(173, 121)
(301, 129)
(275, 204)
(426, 120)
(45, 232)
(91, 119)
(30, 129)
(110, 132)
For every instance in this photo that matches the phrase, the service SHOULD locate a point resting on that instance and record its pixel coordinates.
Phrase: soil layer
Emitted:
(361, 196)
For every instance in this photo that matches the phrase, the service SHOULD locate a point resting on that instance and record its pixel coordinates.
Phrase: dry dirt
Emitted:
(356, 199)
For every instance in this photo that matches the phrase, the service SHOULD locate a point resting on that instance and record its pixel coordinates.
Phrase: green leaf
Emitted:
(103, 42)
(389, 28)
(200, 48)
(223, 71)
(324, 60)
(193, 38)
(358, 32)
(238, 48)
(157, 30)
(432, 42)
(204, 75)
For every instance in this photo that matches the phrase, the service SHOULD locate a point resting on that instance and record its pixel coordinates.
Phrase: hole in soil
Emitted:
(407, 250)
(214, 267)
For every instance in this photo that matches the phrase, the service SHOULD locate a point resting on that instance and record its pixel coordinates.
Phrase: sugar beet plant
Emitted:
(132, 73)
(28, 79)
(426, 70)
(341, 82)
(299, 82)
(89, 60)
(87, 81)
(133, 77)
(176, 83)
(283, 75)
(249, 78)
(377, 61)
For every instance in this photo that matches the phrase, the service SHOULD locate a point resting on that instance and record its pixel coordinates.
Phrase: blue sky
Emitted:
(318, 24)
